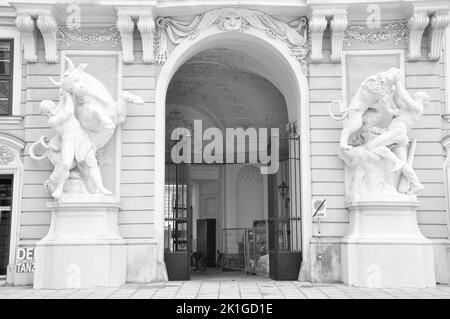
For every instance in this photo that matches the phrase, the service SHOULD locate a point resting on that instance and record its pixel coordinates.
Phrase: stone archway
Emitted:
(282, 68)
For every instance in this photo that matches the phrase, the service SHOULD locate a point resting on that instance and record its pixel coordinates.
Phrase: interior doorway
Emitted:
(6, 184)
(224, 218)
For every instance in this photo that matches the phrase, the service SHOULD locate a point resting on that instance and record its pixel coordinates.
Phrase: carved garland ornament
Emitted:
(393, 31)
(293, 34)
(65, 35)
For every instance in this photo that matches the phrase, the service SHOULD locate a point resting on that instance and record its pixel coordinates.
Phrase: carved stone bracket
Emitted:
(317, 25)
(416, 25)
(27, 26)
(48, 26)
(338, 26)
(43, 17)
(146, 26)
(125, 25)
(439, 22)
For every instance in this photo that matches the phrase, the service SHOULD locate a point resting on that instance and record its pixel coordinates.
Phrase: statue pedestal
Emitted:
(83, 248)
(384, 247)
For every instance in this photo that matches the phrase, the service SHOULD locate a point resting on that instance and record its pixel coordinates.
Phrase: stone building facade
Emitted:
(222, 62)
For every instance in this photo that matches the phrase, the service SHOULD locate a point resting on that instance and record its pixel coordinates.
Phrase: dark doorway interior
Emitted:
(206, 241)
(5, 221)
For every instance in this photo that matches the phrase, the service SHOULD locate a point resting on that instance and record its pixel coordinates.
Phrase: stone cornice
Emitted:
(43, 15)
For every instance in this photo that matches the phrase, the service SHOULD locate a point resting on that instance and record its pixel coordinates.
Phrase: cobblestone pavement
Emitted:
(258, 289)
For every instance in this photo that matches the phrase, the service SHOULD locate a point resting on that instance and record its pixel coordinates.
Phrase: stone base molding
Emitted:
(83, 248)
(384, 247)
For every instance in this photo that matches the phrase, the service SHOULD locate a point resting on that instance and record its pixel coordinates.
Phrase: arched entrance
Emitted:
(274, 62)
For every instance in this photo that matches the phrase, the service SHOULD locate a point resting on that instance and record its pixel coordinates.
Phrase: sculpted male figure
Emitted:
(375, 91)
(75, 145)
(411, 111)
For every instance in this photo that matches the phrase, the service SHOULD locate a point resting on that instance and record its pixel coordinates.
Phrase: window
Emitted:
(6, 76)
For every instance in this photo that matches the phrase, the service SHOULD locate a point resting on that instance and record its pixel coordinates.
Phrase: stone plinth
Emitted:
(384, 247)
(83, 248)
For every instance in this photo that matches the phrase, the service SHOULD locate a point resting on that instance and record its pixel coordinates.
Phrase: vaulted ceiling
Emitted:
(222, 86)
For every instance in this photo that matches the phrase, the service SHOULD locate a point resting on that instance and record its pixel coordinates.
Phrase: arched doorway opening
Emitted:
(266, 61)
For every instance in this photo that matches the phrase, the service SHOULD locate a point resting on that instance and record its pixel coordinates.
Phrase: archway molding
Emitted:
(282, 69)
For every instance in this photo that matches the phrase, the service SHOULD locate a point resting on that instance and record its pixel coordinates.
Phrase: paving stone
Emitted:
(228, 290)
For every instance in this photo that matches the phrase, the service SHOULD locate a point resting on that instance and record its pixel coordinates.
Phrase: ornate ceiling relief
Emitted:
(293, 34)
(396, 31)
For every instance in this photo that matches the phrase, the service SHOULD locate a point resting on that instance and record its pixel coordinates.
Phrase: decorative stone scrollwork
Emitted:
(396, 31)
(65, 36)
(439, 22)
(338, 25)
(125, 25)
(292, 34)
(48, 27)
(146, 26)
(6, 155)
(26, 26)
(416, 25)
(317, 25)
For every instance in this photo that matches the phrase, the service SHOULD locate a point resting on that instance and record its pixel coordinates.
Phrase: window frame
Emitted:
(15, 117)
(10, 76)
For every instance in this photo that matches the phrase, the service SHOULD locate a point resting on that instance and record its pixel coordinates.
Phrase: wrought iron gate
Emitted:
(285, 232)
(177, 221)
(177, 210)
